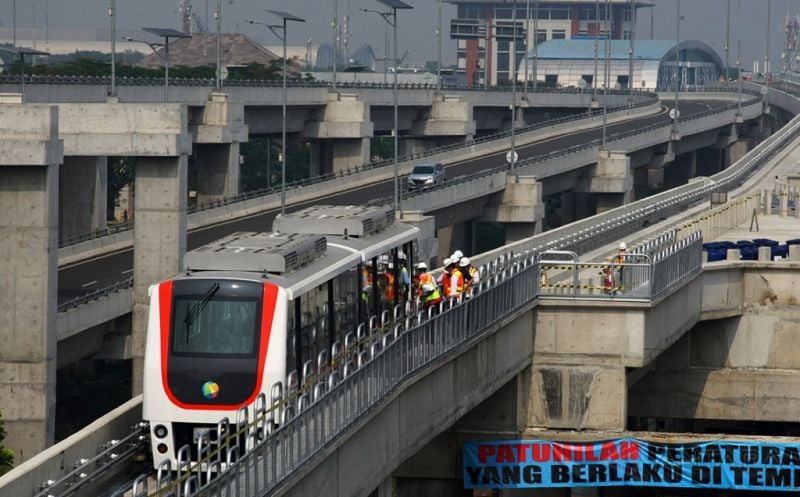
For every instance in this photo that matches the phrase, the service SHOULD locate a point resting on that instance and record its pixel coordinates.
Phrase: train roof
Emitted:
(342, 220)
(297, 262)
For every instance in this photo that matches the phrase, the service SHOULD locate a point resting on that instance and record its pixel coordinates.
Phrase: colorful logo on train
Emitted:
(210, 390)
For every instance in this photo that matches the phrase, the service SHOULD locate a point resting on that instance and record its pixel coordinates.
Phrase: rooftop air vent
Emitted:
(354, 220)
(260, 252)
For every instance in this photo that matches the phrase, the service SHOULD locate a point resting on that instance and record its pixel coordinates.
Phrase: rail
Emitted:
(85, 471)
(91, 235)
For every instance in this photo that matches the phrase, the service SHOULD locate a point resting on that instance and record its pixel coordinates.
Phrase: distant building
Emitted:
(567, 62)
(484, 31)
(201, 50)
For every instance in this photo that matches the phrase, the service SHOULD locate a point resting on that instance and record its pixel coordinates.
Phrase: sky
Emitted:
(702, 20)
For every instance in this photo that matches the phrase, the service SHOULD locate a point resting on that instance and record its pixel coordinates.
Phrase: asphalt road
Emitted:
(84, 276)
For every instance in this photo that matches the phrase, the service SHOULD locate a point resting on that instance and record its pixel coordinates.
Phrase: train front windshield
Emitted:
(214, 341)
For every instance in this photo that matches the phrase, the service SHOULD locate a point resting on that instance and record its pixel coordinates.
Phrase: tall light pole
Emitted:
(335, 26)
(535, 44)
(391, 19)
(527, 37)
(513, 72)
(632, 36)
(14, 23)
(676, 112)
(218, 17)
(439, 52)
(739, 60)
(165, 33)
(280, 31)
(766, 55)
(727, 40)
(596, 48)
(606, 72)
(112, 13)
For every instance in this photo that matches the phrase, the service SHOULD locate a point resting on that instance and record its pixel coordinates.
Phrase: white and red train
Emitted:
(252, 307)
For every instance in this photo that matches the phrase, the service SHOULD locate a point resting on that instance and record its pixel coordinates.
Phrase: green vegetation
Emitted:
(253, 173)
(6, 455)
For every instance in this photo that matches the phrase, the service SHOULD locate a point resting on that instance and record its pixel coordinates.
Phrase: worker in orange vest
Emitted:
(619, 263)
(421, 277)
(389, 276)
(452, 280)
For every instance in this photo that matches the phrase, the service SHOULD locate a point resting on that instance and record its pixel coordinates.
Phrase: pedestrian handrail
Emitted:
(94, 295)
(69, 240)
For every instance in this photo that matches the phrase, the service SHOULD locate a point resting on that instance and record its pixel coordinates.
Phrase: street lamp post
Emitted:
(632, 37)
(513, 73)
(728, 41)
(112, 13)
(218, 17)
(14, 23)
(527, 36)
(165, 33)
(678, 75)
(766, 55)
(606, 72)
(739, 60)
(391, 19)
(596, 49)
(535, 44)
(279, 30)
(439, 52)
(22, 52)
(335, 26)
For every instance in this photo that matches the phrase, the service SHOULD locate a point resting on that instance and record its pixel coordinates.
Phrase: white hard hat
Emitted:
(622, 246)
(422, 265)
(463, 262)
(457, 255)
(391, 265)
(383, 259)
(428, 287)
(401, 254)
(447, 262)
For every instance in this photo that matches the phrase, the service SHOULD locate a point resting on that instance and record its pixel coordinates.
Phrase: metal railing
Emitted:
(33, 79)
(83, 237)
(639, 276)
(94, 295)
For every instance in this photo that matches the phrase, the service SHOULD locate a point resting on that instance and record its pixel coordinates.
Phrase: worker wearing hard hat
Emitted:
(421, 277)
(619, 263)
(471, 276)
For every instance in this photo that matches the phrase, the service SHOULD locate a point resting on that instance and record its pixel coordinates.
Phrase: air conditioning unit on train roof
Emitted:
(351, 220)
(276, 253)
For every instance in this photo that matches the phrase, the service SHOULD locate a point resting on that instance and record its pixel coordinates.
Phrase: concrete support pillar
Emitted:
(30, 154)
(682, 169)
(520, 208)
(346, 123)
(428, 244)
(83, 189)
(159, 239)
(641, 183)
(217, 171)
(415, 145)
(349, 153)
(610, 180)
(577, 397)
(218, 134)
(736, 151)
(447, 116)
(317, 161)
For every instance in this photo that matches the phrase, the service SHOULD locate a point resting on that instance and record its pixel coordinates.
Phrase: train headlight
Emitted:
(160, 431)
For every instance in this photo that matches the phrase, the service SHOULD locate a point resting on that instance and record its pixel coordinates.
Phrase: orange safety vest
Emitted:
(447, 282)
(619, 260)
(389, 286)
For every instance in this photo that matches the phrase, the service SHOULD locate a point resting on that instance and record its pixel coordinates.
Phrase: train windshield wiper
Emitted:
(197, 308)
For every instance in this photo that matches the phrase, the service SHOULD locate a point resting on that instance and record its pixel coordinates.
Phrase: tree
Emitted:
(6, 455)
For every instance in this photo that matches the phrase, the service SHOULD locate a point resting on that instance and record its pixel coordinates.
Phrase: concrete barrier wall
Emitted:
(94, 313)
(57, 461)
